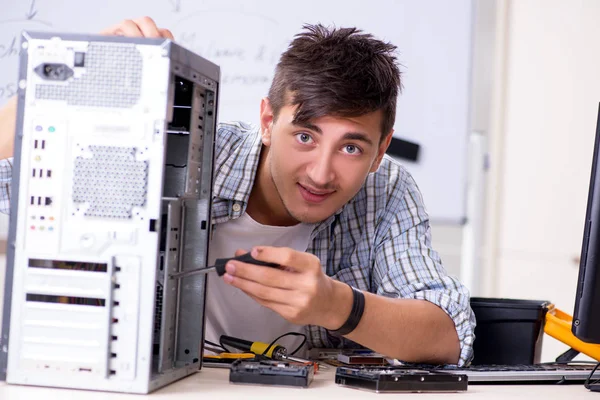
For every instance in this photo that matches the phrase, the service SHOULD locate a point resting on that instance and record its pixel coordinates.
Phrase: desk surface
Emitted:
(215, 382)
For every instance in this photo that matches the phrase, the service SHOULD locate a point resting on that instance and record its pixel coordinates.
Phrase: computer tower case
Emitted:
(111, 194)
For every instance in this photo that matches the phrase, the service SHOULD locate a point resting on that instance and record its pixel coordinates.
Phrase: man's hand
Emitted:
(8, 120)
(300, 292)
(140, 27)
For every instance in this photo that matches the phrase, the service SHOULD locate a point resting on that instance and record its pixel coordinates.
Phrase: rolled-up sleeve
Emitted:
(406, 266)
(5, 182)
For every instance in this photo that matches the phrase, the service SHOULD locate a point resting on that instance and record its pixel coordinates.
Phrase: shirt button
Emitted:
(236, 207)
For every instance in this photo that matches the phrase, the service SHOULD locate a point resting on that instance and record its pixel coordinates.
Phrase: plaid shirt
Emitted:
(379, 242)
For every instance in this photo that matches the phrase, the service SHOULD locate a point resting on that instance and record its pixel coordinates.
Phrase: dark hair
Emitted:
(337, 72)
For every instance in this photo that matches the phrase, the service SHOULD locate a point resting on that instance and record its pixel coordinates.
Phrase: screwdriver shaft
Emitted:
(190, 272)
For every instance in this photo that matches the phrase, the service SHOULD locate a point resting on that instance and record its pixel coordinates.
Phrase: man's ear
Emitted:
(266, 121)
(383, 146)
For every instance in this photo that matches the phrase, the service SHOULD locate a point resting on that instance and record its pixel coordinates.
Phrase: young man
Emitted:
(312, 190)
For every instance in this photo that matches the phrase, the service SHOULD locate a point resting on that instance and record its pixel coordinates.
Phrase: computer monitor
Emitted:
(586, 317)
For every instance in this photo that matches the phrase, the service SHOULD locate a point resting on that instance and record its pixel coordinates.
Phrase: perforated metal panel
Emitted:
(112, 181)
(158, 311)
(112, 77)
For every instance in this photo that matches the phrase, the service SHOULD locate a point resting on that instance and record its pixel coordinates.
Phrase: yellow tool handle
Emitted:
(558, 325)
(254, 347)
(234, 356)
(260, 347)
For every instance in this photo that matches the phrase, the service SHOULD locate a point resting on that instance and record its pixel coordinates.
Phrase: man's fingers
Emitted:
(113, 30)
(148, 27)
(139, 27)
(259, 291)
(240, 252)
(285, 257)
(165, 33)
(268, 276)
(127, 28)
(287, 311)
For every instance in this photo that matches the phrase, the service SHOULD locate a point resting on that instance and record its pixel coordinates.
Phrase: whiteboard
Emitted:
(434, 39)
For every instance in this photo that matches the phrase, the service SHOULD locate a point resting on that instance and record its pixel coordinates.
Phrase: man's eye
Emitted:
(303, 138)
(351, 149)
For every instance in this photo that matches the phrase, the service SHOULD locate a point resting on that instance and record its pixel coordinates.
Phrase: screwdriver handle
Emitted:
(246, 257)
(219, 266)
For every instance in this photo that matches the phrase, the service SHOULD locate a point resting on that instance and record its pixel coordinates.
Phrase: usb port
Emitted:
(43, 144)
(48, 173)
(39, 201)
(33, 173)
(35, 144)
(32, 199)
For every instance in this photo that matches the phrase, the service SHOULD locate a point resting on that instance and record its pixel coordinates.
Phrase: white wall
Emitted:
(540, 166)
(447, 240)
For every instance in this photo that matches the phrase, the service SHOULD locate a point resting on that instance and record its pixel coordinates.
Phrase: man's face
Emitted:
(318, 167)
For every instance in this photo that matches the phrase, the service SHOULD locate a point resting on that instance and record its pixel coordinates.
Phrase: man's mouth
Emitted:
(312, 195)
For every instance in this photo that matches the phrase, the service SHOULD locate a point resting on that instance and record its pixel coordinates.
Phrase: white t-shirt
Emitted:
(229, 311)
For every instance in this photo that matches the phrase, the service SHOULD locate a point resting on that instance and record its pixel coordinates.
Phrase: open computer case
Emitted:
(111, 194)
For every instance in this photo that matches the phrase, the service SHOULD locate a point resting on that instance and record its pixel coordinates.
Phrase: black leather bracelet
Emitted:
(358, 307)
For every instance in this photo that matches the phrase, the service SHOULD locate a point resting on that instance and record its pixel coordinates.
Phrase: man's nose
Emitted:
(321, 171)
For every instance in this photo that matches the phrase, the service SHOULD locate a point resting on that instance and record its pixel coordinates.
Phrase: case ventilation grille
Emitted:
(112, 181)
(112, 77)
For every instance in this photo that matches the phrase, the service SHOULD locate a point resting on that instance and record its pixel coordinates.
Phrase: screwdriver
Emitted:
(220, 266)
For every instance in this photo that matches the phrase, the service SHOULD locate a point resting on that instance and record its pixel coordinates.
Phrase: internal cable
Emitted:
(215, 345)
(282, 336)
(587, 381)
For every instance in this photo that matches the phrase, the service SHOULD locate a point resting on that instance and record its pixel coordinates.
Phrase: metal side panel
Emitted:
(197, 227)
(172, 261)
(190, 324)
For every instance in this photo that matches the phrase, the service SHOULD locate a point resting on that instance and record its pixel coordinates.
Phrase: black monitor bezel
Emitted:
(586, 315)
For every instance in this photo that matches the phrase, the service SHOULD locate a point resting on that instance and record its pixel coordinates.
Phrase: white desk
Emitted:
(214, 383)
